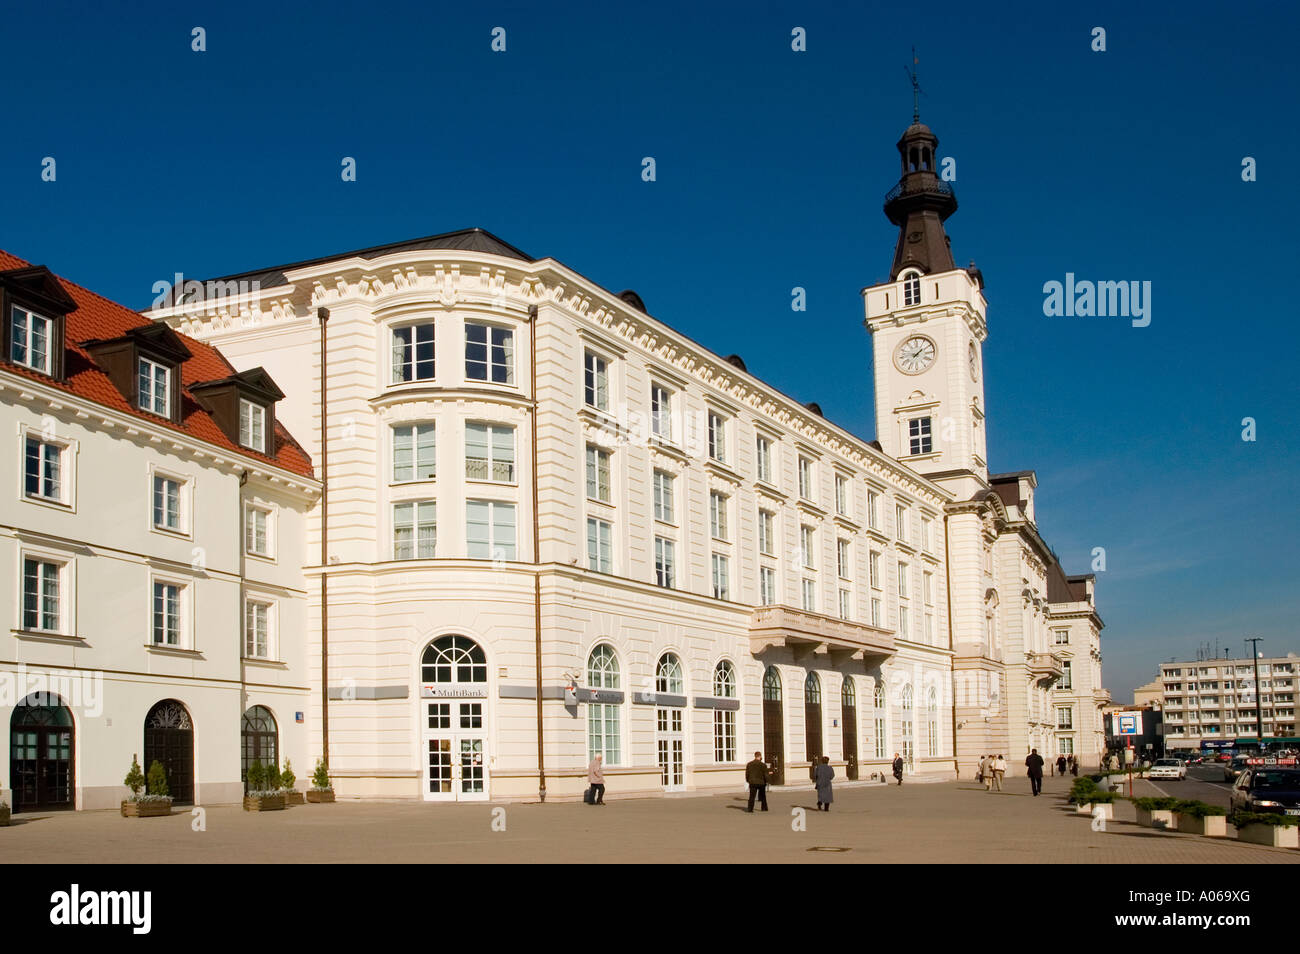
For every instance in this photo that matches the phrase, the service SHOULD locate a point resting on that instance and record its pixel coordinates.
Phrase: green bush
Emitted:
(1196, 809)
(272, 778)
(157, 781)
(1083, 790)
(134, 779)
(1100, 798)
(256, 777)
(1156, 804)
(320, 779)
(287, 778)
(1241, 819)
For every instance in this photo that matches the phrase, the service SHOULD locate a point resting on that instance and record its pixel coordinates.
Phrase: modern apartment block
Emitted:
(1217, 700)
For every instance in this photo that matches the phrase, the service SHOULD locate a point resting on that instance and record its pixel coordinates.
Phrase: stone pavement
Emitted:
(930, 823)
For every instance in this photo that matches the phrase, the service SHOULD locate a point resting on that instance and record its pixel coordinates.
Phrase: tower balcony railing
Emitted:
(911, 184)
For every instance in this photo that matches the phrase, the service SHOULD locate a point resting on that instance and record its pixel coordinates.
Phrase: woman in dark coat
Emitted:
(823, 775)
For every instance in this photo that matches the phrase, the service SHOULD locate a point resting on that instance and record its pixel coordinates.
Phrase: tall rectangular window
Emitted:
(600, 548)
(661, 411)
(766, 532)
(154, 390)
(717, 516)
(721, 577)
(927, 587)
(1067, 679)
(256, 536)
(596, 382)
(874, 564)
(489, 353)
(927, 534)
(166, 503)
(928, 623)
(664, 562)
(166, 614)
(810, 596)
(257, 629)
(1064, 717)
(918, 436)
(490, 452)
(902, 580)
(415, 530)
(763, 454)
(42, 470)
(42, 600)
(873, 509)
(844, 604)
(718, 437)
(904, 622)
(805, 478)
(900, 521)
(663, 488)
(877, 612)
(415, 452)
(413, 358)
(841, 495)
(807, 542)
(597, 474)
(252, 425)
(842, 558)
(766, 586)
(32, 337)
(490, 529)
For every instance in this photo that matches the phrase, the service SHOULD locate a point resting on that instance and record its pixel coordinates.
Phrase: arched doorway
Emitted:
(169, 739)
(812, 721)
(260, 740)
(40, 754)
(604, 719)
(773, 726)
(453, 699)
(670, 736)
(909, 744)
(849, 720)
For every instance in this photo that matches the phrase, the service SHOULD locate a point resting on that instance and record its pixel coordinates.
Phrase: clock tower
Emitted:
(927, 326)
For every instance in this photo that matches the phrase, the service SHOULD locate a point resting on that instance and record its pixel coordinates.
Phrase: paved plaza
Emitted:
(930, 823)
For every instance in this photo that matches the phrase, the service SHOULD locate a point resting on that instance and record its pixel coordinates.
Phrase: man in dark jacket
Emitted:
(1034, 769)
(756, 776)
(898, 768)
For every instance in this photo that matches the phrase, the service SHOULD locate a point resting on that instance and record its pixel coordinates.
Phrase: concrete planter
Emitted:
(1157, 819)
(1212, 826)
(1108, 810)
(294, 798)
(318, 795)
(146, 809)
(263, 803)
(4, 815)
(1275, 836)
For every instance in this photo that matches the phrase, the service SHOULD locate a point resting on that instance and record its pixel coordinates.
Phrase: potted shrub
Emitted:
(1089, 800)
(263, 793)
(156, 801)
(1260, 828)
(287, 782)
(321, 790)
(1082, 792)
(1198, 818)
(1156, 812)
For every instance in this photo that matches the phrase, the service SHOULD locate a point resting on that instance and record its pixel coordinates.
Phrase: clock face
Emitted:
(915, 354)
(973, 358)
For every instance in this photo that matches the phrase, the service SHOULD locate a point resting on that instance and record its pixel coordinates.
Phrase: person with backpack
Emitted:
(596, 779)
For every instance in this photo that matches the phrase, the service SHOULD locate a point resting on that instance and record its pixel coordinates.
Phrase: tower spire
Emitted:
(916, 89)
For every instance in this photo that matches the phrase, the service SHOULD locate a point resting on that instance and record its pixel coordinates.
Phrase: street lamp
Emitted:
(1259, 709)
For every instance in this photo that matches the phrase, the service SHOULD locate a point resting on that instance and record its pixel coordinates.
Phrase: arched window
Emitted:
(41, 753)
(911, 288)
(882, 740)
(907, 698)
(453, 659)
(771, 685)
(812, 720)
(724, 720)
(909, 742)
(604, 728)
(849, 695)
(812, 687)
(932, 724)
(668, 675)
(849, 725)
(260, 739)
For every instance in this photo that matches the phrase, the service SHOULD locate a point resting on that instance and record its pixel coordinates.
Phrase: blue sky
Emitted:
(1122, 165)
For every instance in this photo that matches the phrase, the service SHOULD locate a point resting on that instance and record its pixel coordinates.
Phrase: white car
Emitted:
(1168, 768)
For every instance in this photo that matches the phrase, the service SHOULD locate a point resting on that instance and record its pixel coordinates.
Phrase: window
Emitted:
(911, 289)
(873, 509)
(663, 562)
(1066, 745)
(810, 596)
(490, 529)
(1064, 717)
(881, 741)
(721, 577)
(928, 624)
(724, 720)
(489, 353)
(603, 735)
(932, 724)
(257, 629)
(877, 612)
(596, 382)
(766, 532)
(415, 530)
(766, 586)
(900, 521)
(167, 613)
(807, 539)
(42, 596)
(805, 478)
(718, 516)
(415, 452)
(718, 437)
(490, 452)
(413, 353)
(1067, 680)
(43, 470)
(763, 453)
(875, 569)
(597, 474)
(600, 546)
(32, 337)
(166, 503)
(841, 495)
(844, 604)
(1062, 637)
(903, 569)
(918, 436)
(927, 587)
(927, 534)
(661, 411)
(904, 622)
(257, 540)
(842, 558)
(155, 388)
(663, 485)
(252, 425)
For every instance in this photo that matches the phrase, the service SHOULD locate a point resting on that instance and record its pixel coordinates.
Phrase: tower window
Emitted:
(919, 438)
(911, 289)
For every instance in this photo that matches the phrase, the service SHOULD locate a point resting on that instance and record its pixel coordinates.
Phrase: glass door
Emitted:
(670, 744)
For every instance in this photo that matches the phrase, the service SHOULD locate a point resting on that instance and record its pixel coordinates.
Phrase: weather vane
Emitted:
(916, 88)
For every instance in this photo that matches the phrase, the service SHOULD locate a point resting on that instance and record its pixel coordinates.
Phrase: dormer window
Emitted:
(252, 425)
(31, 338)
(154, 392)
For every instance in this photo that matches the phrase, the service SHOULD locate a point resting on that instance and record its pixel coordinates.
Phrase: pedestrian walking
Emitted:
(756, 776)
(999, 770)
(823, 775)
(1060, 765)
(898, 768)
(986, 771)
(1074, 766)
(979, 768)
(1034, 769)
(596, 778)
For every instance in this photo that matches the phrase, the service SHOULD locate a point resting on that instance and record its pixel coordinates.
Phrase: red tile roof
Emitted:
(97, 318)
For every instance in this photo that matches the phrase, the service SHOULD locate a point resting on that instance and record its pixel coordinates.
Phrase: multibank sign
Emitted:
(1127, 723)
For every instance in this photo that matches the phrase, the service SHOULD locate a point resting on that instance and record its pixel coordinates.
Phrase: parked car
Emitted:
(1267, 790)
(1234, 768)
(1168, 768)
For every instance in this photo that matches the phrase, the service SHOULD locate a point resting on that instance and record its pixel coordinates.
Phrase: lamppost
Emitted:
(1259, 710)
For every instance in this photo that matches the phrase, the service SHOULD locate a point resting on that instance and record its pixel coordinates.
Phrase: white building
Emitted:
(152, 533)
(1213, 703)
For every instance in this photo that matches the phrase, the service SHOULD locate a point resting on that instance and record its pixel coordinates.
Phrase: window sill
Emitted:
(262, 661)
(39, 635)
(50, 502)
(173, 650)
(169, 532)
(261, 557)
(667, 447)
